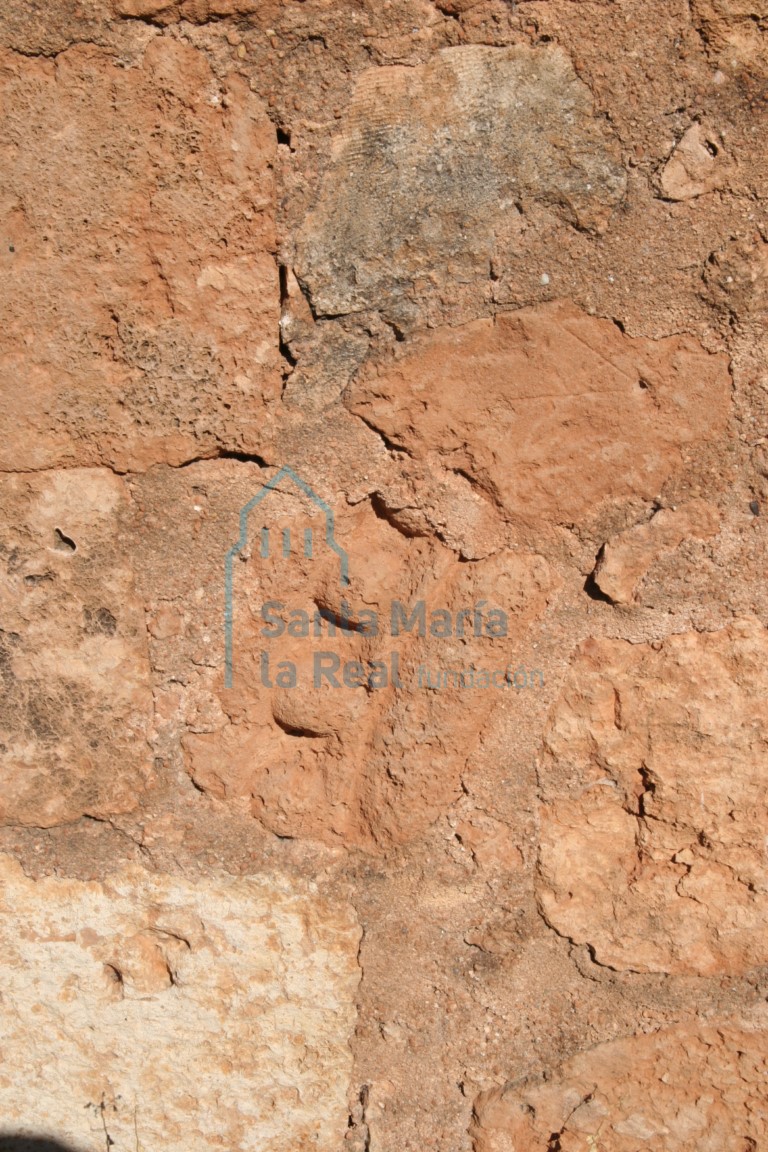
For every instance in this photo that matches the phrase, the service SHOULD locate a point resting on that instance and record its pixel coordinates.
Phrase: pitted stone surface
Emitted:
(76, 708)
(691, 1086)
(160, 1012)
(653, 807)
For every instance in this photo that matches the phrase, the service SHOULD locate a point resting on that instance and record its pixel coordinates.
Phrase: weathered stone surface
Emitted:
(654, 789)
(433, 165)
(732, 9)
(736, 278)
(35, 27)
(256, 213)
(77, 705)
(344, 762)
(734, 29)
(152, 1011)
(626, 558)
(690, 1086)
(423, 499)
(197, 11)
(548, 410)
(144, 307)
(697, 165)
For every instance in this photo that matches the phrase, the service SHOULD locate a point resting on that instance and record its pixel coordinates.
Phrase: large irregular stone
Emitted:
(690, 1086)
(349, 761)
(627, 557)
(139, 308)
(150, 1011)
(433, 166)
(548, 410)
(654, 792)
(76, 705)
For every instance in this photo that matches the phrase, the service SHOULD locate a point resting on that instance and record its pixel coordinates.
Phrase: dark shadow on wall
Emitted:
(19, 1142)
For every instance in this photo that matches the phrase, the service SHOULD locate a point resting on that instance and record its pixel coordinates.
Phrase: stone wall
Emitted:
(384, 479)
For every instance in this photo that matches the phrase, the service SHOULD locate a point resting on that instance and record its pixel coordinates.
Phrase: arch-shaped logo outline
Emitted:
(242, 541)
